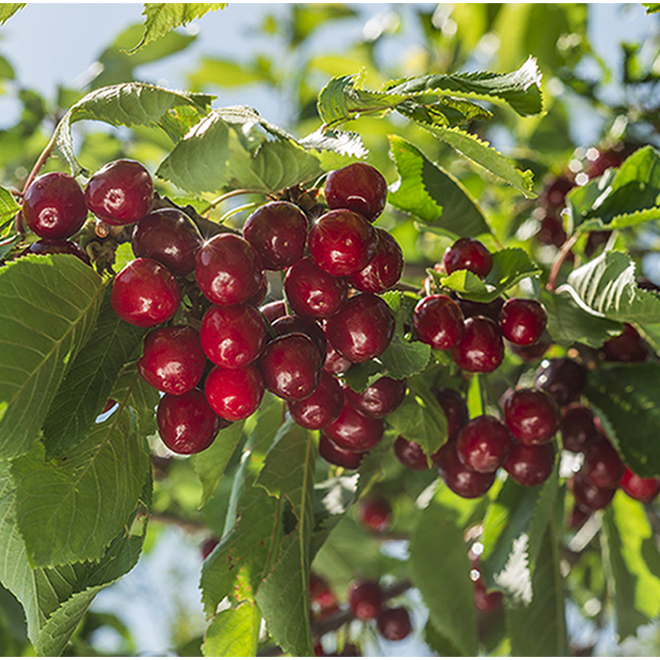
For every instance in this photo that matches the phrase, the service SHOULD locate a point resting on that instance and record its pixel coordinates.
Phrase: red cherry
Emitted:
(534, 352)
(530, 465)
(552, 231)
(365, 599)
(480, 349)
(490, 310)
(532, 416)
(354, 431)
(562, 378)
(410, 454)
(577, 427)
(384, 270)
(468, 254)
(379, 399)
(335, 363)
(312, 292)
(522, 321)
(287, 325)
(461, 479)
(644, 489)
(320, 408)
(438, 321)
(273, 310)
(234, 394)
(208, 546)
(359, 187)
(483, 444)
(336, 455)
(375, 513)
(484, 600)
(627, 347)
(394, 624)
(590, 496)
(555, 192)
(58, 246)
(454, 407)
(602, 466)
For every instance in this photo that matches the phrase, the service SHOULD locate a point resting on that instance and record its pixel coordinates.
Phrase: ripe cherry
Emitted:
(278, 232)
(208, 546)
(627, 347)
(359, 187)
(490, 310)
(260, 294)
(410, 454)
(365, 598)
(522, 321)
(273, 310)
(438, 321)
(454, 407)
(555, 192)
(375, 513)
(58, 246)
(533, 352)
(335, 363)
(461, 479)
(354, 431)
(483, 444)
(145, 293)
(234, 394)
(336, 455)
(644, 489)
(577, 427)
(468, 254)
(394, 624)
(481, 348)
(172, 359)
(320, 408)
(532, 416)
(169, 236)
(590, 496)
(602, 466)
(54, 206)
(120, 193)
(552, 231)
(287, 325)
(186, 423)
(384, 270)
(484, 600)
(380, 399)
(562, 378)
(530, 465)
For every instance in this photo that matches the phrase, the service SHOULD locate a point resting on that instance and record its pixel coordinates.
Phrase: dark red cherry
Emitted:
(627, 347)
(483, 444)
(342, 242)
(278, 232)
(260, 294)
(375, 513)
(379, 399)
(359, 187)
(534, 352)
(312, 292)
(555, 192)
(490, 310)
(234, 394)
(287, 325)
(562, 378)
(461, 479)
(186, 423)
(384, 270)
(228, 270)
(335, 363)
(120, 193)
(577, 427)
(644, 489)
(530, 465)
(363, 329)
(354, 431)
(603, 161)
(532, 416)
(552, 231)
(394, 624)
(578, 516)
(468, 254)
(169, 236)
(590, 496)
(320, 593)
(233, 336)
(481, 348)
(54, 206)
(438, 321)
(522, 321)
(596, 240)
(145, 293)
(602, 466)
(58, 246)
(484, 600)
(365, 598)
(291, 366)
(336, 455)
(208, 546)
(274, 310)
(410, 454)
(320, 408)
(454, 407)
(172, 359)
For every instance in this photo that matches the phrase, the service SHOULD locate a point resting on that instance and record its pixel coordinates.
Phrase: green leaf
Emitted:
(48, 307)
(8, 9)
(651, 7)
(161, 17)
(438, 642)
(140, 397)
(233, 633)
(624, 392)
(226, 73)
(433, 194)
(9, 207)
(345, 143)
(443, 576)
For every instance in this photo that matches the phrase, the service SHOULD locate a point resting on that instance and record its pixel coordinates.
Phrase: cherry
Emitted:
(260, 294)
(481, 348)
(169, 236)
(228, 270)
(186, 423)
(273, 310)
(58, 246)
(120, 193)
(596, 240)
(342, 242)
(555, 192)
(335, 363)
(483, 444)
(375, 513)
(394, 624)
(627, 347)
(291, 366)
(233, 336)
(522, 321)
(380, 399)
(172, 359)
(468, 254)
(484, 600)
(359, 187)
(145, 293)
(530, 465)
(277, 231)
(461, 479)
(320, 408)
(644, 489)
(54, 206)
(208, 546)
(454, 407)
(602, 466)
(312, 292)
(490, 310)
(552, 231)
(234, 394)
(410, 454)
(603, 161)
(562, 378)
(287, 325)
(363, 329)
(354, 431)
(321, 596)
(533, 352)
(590, 496)
(532, 416)
(577, 427)
(578, 516)
(336, 455)
(365, 598)
(384, 270)
(438, 321)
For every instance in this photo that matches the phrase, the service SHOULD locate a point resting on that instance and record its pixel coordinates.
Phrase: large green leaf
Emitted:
(8, 9)
(233, 633)
(48, 307)
(9, 207)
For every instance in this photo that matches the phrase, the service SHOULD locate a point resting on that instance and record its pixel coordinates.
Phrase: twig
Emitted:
(559, 261)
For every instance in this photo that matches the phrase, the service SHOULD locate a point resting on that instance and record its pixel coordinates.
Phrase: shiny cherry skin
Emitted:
(277, 231)
(533, 352)
(483, 444)
(342, 243)
(490, 310)
(562, 378)
(169, 236)
(363, 329)
(287, 325)
(384, 270)
(145, 293)
(530, 465)
(120, 193)
(54, 206)
(365, 598)
(602, 465)
(532, 416)
(644, 489)
(260, 294)
(172, 359)
(320, 408)
(461, 479)
(590, 496)
(454, 407)
(410, 454)
(233, 336)
(291, 366)
(273, 310)
(480, 349)
(354, 431)
(310, 291)
(438, 321)
(186, 423)
(375, 513)
(228, 270)
(336, 455)
(58, 246)
(359, 187)
(335, 363)
(627, 347)
(234, 394)
(379, 399)
(523, 321)
(394, 624)
(468, 254)
(577, 427)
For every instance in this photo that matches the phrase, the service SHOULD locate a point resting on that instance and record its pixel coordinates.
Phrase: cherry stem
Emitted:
(559, 261)
(222, 198)
(41, 161)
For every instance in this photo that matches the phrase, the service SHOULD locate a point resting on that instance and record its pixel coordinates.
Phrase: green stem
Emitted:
(229, 195)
